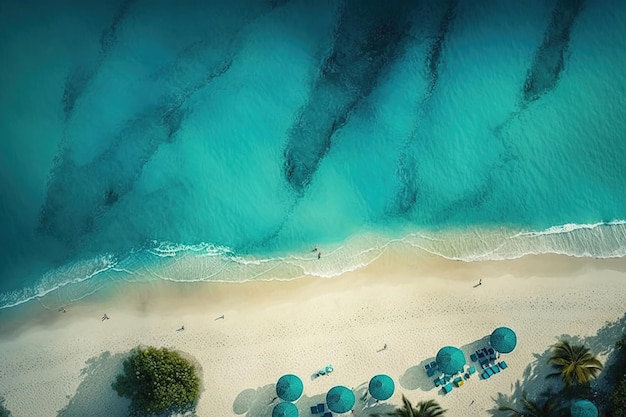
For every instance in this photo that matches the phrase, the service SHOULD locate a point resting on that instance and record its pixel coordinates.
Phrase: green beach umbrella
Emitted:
(503, 340)
(285, 409)
(381, 387)
(289, 387)
(340, 399)
(450, 360)
(583, 408)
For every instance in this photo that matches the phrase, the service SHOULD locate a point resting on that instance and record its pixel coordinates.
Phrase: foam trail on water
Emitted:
(210, 263)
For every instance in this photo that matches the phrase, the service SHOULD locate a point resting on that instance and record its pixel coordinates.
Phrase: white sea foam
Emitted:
(206, 262)
(62, 277)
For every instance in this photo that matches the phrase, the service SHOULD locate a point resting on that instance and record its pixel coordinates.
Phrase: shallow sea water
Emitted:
(224, 140)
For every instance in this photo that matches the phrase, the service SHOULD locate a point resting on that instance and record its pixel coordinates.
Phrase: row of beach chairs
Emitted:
(492, 370)
(446, 384)
(431, 368)
(483, 354)
(319, 409)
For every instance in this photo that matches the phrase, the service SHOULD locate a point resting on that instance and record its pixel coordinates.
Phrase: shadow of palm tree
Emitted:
(537, 386)
(94, 396)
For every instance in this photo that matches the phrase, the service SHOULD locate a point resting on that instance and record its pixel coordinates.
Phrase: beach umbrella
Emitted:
(583, 408)
(503, 340)
(381, 387)
(289, 387)
(285, 409)
(450, 360)
(340, 399)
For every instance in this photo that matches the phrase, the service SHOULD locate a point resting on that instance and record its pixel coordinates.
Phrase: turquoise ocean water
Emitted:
(223, 140)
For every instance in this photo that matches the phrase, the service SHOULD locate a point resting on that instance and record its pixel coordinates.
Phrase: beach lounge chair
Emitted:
(495, 369)
(484, 362)
(474, 357)
(458, 381)
(433, 365)
(480, 354)
(320, 408)
(471, 370)
(313, 409)
(484, 375)
(328, 415)
(430, 372)
(489, 371)
(447, 388)
(437, 381)
(503, 365)
(427, 367)
(491, 351)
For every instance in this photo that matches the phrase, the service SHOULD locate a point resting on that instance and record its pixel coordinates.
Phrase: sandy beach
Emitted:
(62, 364)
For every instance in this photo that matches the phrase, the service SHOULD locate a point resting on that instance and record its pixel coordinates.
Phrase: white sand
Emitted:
(66, 361)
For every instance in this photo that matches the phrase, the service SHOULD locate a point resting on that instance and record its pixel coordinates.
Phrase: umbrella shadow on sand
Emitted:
(261, 401)
(94, 396)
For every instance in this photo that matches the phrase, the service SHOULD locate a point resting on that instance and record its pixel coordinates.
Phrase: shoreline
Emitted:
(415, 305)
(208, 263)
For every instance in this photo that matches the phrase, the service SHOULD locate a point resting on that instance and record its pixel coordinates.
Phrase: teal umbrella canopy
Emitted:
(583, 408)
(285, 410)
(381, 387)
(503, 340)
(340, 399)
(450, 360)
(289, 387)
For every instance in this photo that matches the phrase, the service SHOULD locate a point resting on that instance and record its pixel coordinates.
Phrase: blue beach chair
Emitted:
(473, 357)
(472, 370)
(447, 388)
(484, 375)
(430, 372)
(503, 365)
(495, 369)
(328, 415)
(320, 408)
(313, 409)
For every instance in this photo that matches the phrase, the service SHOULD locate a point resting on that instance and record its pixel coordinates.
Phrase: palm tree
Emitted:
(428, 408)
(530, 408)
(576, 365)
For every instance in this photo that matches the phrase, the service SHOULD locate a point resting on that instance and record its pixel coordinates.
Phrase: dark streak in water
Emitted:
(407, 171)
(546, 69)
(103, 183)
(109, 177)
(80, 77)
(549, 60)
(434, 55)
(368, 38)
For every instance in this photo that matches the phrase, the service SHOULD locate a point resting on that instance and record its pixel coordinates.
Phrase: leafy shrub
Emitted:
(158, 381)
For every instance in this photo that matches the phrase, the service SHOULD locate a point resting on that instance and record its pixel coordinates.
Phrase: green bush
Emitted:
(158, 381)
